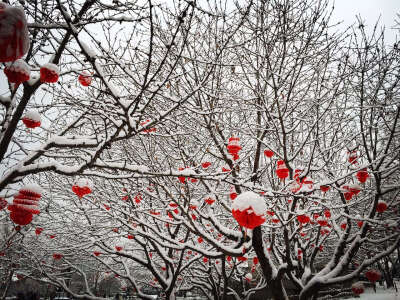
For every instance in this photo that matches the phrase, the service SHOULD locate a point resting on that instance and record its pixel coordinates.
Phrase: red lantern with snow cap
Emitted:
(25, 204)
(31, 119)
(49, 73)
(82, 187)
(85, 78)
(381, 206)
(248, 209)
(281, 170)
(362, 175)
(18, 71)
(268, 153)
(14, 35)
(357, 288)
(234, 147)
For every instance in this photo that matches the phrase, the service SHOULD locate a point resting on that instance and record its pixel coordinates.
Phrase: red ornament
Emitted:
(3, 203)
(17, 72)
(85, 78)
(130, 237)
(275, 220)
(38, 230)
(362, 175)
(31, 119)
(381, 206)
(343, 226)
(327, 213)
(209, 201)
(206, 164)
(118, 248)
(96, 253)
(234, 147)
(173, 205)
(138, 198)
(303, 219)
(225, 170)
(373, 275)
(268, 153)
(242, 258)
(360, 224)
(49, 73)
(14, 35)
(352, 157)
(57, 256)
(348, 194)
(282, 171)
(200, 239)
(21, 217)
(106, 207)
(25, 204)
(324, 188)
(233, 196)
(205, 259)
(82, 187)
(322, 222)
(270, 213)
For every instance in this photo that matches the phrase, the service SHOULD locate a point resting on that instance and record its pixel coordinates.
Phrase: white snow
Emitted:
(19, 66)
(83, 182)
(250, 200)
(32, 115)
(381, 294)
(32, 188)
(51, 67)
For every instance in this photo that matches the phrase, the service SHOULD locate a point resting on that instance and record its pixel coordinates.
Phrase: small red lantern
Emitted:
(248, 209)
(206, 164)
(234, 147)
(348, 194)
(322, 222)
(31, 119)
(209, 201)
(200, 239)
(303, 219)
(17, 72)
(324, 188)
(182, 179)
(3, 203)
(355, 189)
(282, 171)
(49, 73)
(82, 187)
(118, 248)
(373, 275)
(130, 237)
(275, 220)
(25, 204)
(205, 259)
(96, 253)
(85, 78)
(343, 225)
(352, 157)
(138, 198)
(233, 195)
(14, 35)
(381, 206)
(360, 224)
(57, 256)
(268, 153)
(327, 213)
(362, 175)
(38, 231)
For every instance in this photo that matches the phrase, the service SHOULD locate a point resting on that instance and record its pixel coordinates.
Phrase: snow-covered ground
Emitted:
(381, 294)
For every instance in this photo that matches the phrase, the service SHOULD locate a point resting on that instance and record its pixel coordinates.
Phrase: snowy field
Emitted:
(381, 294)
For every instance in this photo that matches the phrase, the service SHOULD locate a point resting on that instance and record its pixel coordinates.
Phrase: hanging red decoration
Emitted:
(205, 259)
(248, 209)
(31, 119)
(3, 203)
(360, 224)
(182, 179)
(324, 188)
(17, 72)
(282, 171)
(347, 193)
(355, 189)
(234, 147)
(381, 206)
(357, 288)
(275, 220)
(173, 204)
(233, 195)
(14, 35)
(25, 204)
(138, 198)
(373, 275)
(303, 219)
(270, 213)
(362, 175)
(118, 248)
(322, 222)
(352, 157)
(130, 237)
(327, 213)
(82, 187)
(268, 153)
(49, 73)
(209, 201)
(57, 256)
(85, 78)
(38, 230)
(200, 239)
(96, 253)
(343, 225)
(206, 164)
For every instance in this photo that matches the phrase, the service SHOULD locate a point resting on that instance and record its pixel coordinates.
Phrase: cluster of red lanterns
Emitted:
(82, 187)
(234, 147)
(25, 205)
(248, 209)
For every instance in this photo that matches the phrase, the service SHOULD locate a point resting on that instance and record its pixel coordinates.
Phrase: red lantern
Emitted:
(130, 237)
(327, 213)
(348, 194)
(14, 35)
(96, 253)
(282, 171)
(85, 78)
(49, 73)
(275, 220)
(206, 164)
(322, 222)
(362, 175)
(303, 219)
(118, 248)
(324, 188)
(57, 256)
(82, 187)
(17, 72)
(381, 206)
(233, 195)
(352, 156)
(25, 204)
(373, 275)
(248, 209)
(21, 217)
(138, 198)
(3, 203)
(205, 259)
(360, 224)
(268, 153)
(31, 119)
(38, 230)
(355, 189)
(343, 225)
(234, 147)
(209, 201)
(200, 239)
